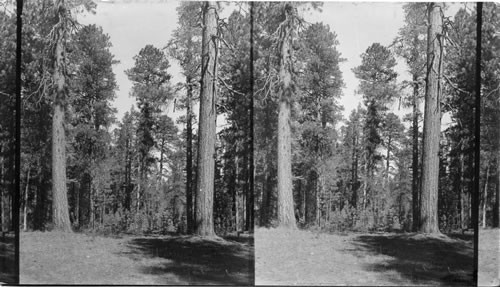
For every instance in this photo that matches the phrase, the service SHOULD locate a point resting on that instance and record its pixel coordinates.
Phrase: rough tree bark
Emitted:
(60, 211)
(432, 124)
(206, 142)
(286, 216)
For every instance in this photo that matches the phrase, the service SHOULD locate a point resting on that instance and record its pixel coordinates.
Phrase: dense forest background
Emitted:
(138, 173)
(364, 172)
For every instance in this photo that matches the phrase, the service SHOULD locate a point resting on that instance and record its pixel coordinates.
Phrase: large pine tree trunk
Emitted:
(206, 142)
(414, 164)
(60, 211)
(286, 216)
(189, 159)
(432, 125)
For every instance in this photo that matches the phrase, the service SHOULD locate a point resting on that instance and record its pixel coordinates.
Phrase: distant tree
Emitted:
(377, 77)
(152, 90)
(93, 89)
(318, 112)
(410, 44)
(184, 47)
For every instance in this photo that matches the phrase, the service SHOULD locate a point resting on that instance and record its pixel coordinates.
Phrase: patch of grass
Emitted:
(489, 257)
(300, 257)
(77, 258)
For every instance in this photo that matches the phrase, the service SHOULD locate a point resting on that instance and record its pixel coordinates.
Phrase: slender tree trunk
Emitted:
(485, 199)
(60, 211)
(365, 185)
(25, 211)
(462, 190)
(92, 209)
(77, 206)
(432, 124)
(206, 142)
(250, 151)
(286, 216)
(354, 170)
(414, 179)
(189, 158)
(387, 165)
(236, 195)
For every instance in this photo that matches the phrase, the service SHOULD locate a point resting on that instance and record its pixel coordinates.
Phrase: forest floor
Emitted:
(489, 257)
(301, 257)
(77, 258)
(7, 258)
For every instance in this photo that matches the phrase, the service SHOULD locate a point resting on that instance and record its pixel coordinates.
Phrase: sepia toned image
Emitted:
(135, 143)
(365, 143)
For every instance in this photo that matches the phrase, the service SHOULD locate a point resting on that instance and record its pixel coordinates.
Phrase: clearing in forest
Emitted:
(307, 258)
(489, 257)
(7, 259)
(61, 258)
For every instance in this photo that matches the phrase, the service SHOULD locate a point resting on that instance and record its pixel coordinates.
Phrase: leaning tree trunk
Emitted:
(60, 211)
(286, 216)
(432, 124)
(206, 142)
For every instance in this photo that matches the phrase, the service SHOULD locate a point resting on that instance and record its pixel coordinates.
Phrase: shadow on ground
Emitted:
(192, 260)
(423, 259)
(7, 259)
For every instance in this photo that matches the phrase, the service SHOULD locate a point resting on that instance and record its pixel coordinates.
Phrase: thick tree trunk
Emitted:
(189, 158)
(60, 211)
(286, 216)
(414, 164)
(206, 143)
(432, 124)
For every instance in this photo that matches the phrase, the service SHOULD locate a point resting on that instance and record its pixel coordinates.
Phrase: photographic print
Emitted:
(251, 143)
(136, 158)
(365, 143)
